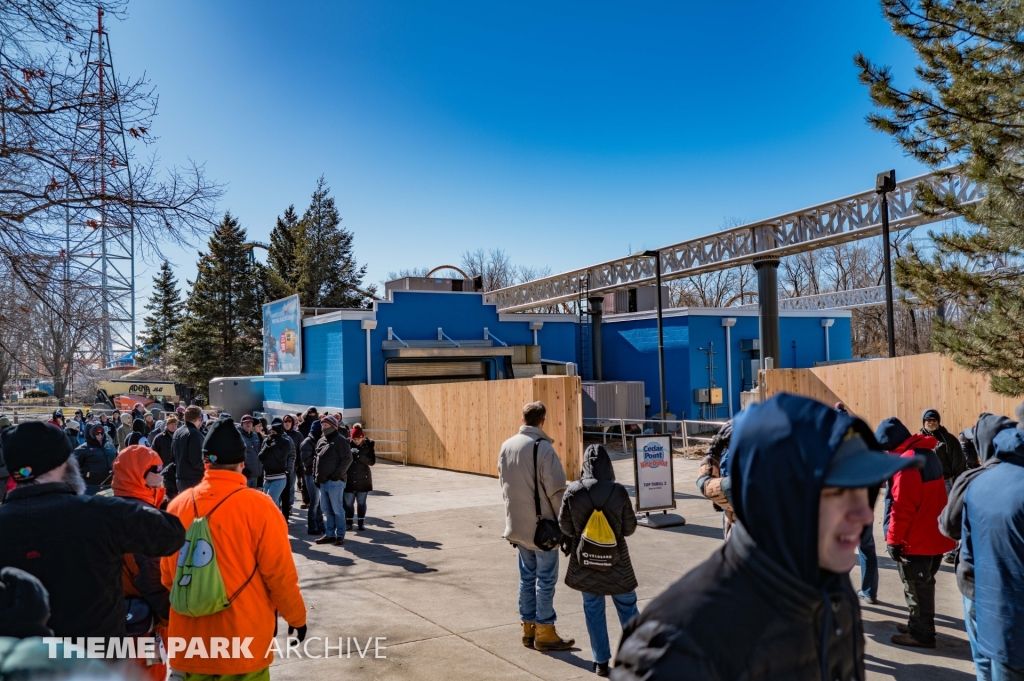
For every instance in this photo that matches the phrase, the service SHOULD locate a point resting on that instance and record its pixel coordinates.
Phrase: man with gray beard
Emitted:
(74, 544)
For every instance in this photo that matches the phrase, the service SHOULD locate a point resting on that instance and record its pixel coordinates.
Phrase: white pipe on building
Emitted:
(826, 323)
(369, 325)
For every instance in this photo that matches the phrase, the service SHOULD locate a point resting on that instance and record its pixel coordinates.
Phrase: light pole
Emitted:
(661, 338)
(885, 183)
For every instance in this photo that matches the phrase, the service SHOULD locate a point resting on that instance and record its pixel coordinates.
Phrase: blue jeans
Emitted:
(982, 665)
(314, 516)
(331, 494)
(597, 623)
(274, 489)
(538, 574)
(350, 503)
(868, 563)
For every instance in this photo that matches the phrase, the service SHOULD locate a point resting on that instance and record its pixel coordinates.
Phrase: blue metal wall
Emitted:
(334, 353)
(631, 353)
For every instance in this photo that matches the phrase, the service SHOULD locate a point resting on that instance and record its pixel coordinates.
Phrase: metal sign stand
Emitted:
(663, 519)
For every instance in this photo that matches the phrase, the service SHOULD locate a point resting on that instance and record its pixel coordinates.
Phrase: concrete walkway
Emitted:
(432, 575)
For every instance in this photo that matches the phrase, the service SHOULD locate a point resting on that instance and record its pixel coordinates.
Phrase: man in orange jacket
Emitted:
(255, 559)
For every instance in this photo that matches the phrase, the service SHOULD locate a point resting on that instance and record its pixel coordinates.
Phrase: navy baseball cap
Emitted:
(860, 462)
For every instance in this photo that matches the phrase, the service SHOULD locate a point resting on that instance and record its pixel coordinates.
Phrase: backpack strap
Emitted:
(607, 497)
(536, 479)
(195, 509)
(255, 568)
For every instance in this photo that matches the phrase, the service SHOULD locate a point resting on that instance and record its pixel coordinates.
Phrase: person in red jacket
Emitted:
(912, 538)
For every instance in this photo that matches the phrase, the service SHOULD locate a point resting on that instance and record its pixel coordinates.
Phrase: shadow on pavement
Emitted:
(696, 531)
(373, 545)
(910, 672)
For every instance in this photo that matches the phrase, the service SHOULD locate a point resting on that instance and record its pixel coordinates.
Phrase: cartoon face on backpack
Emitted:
(198, 587)
(192, 558)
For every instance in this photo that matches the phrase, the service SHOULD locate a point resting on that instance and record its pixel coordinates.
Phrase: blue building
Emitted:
(698, 339)
(415, 336)
(431, 336)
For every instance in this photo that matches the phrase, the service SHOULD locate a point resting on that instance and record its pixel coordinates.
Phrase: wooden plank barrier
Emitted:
(460, 426)
(903, 387)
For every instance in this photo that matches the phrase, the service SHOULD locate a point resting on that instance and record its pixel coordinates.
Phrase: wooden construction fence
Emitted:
(903, 387)
(461, 426)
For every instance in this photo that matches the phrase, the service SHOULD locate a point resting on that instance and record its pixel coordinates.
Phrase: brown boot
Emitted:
(548, 639)
(529, 629)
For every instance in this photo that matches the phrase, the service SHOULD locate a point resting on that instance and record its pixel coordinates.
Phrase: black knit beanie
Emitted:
(223, 443)
(33, 448)
(24, 605)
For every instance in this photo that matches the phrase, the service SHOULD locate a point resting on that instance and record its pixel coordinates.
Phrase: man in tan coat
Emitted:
(538, 570)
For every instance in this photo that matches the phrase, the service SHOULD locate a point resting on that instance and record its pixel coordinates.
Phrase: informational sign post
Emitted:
(652, 468)
(282, 337)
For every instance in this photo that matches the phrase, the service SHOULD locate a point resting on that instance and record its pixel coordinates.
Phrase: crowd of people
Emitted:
(134, 510)
(797, 483)
(156, 558)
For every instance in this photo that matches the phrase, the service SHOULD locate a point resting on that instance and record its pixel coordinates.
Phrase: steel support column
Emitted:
(595, 306)
(768, 308)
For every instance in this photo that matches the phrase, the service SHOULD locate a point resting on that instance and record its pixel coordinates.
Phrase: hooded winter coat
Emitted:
(951, 518)
(517, 477)
(760, 608)
(297, 438)
(138, 434)
(141, 575)
(360, 477)
(75, 545)
(95, 460)
(969, 446)
(918, 495)
(597, 489)
(123, 431)
(993, 548)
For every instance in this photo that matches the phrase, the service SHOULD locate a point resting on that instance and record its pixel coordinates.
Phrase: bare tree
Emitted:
(48, 176)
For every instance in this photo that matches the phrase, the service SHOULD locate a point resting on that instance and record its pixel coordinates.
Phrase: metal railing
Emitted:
(688, 432)
(396, 443)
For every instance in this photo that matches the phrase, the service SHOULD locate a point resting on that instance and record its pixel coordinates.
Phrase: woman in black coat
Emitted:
(597, 490)
(360, 479)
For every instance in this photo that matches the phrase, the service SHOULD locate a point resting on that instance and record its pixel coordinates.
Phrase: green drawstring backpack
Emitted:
(598, 547)
(198, 589)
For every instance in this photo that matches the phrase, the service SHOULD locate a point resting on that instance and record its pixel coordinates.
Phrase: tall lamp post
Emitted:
(661, 338)
(885, 183)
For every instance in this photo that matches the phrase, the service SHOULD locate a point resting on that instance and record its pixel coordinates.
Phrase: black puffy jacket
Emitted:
(949, 451)
(95, 460)
(297, 438)
(277, 455)
(187, 448)
(333, 458)
(75, 545)
(760, 608)
(597, 488)
(360, 478)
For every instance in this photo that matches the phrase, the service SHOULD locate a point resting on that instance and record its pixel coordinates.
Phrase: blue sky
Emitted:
(565, 133)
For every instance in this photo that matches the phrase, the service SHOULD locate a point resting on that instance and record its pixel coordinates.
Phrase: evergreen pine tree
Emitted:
(158, 333)
(221, 334)
(327, 274)
(283, 253)
(966, 110)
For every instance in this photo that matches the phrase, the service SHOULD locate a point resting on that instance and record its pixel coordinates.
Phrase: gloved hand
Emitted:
(300, 633)
(895, 552)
